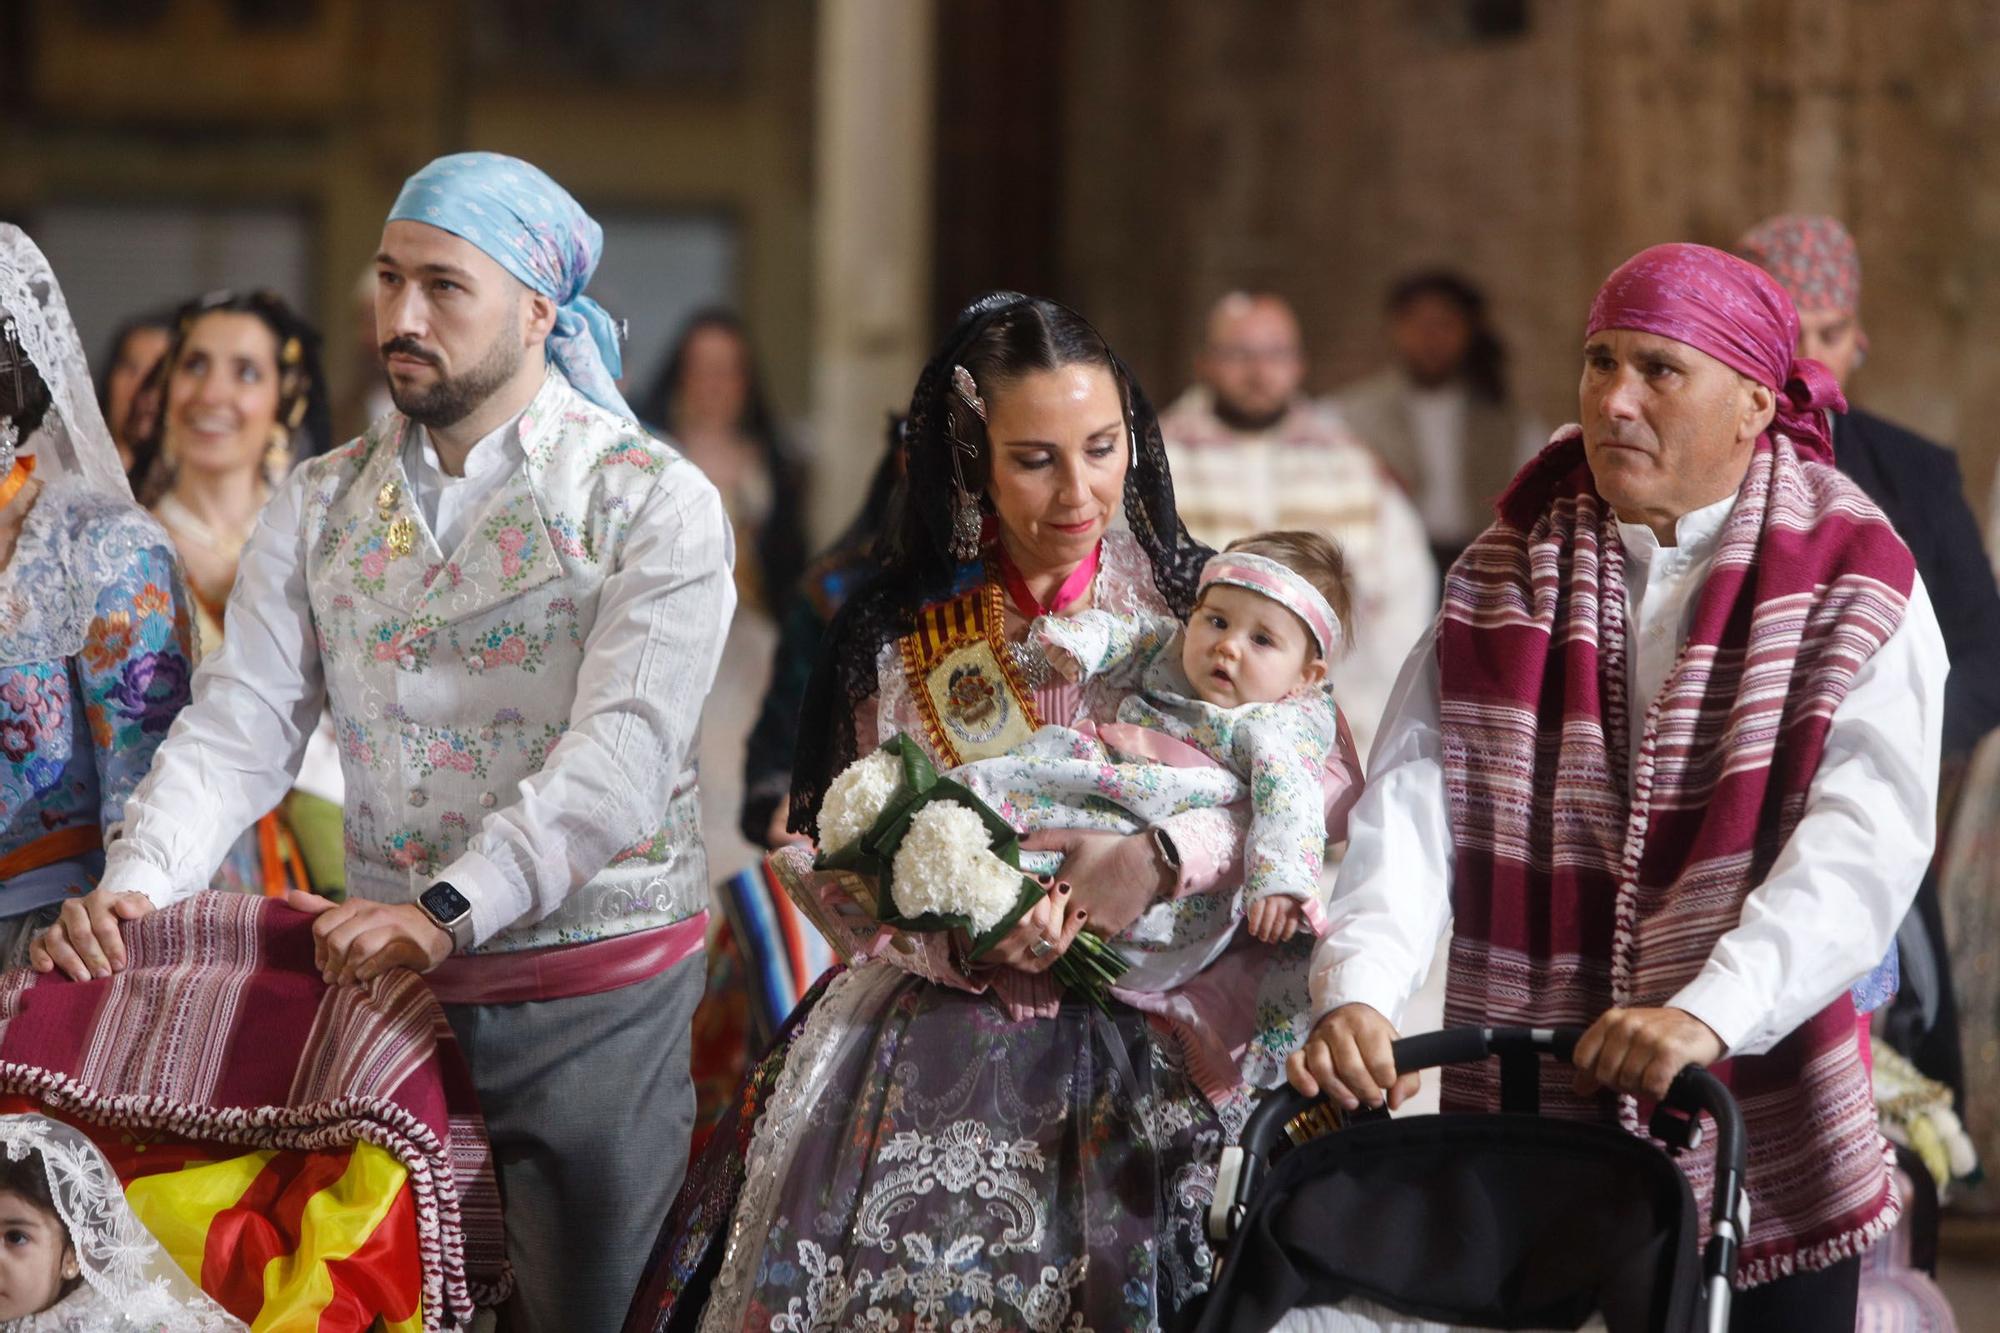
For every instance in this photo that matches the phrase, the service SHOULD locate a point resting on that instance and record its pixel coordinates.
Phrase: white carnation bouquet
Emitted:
(930, 855)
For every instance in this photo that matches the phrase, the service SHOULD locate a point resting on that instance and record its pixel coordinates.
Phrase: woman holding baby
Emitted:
(939, 1139)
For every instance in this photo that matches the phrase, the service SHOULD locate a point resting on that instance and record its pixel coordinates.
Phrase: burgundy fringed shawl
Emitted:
(1572, 893)
(220, 1029)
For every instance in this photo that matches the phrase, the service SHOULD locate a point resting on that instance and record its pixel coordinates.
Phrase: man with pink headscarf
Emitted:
(1668, 766)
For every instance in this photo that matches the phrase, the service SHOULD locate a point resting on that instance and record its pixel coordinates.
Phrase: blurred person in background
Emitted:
(96, 648)
(241, 390)
(1252, 454)
(763, 956)
(709, 401)
(134, 350)
(821, 591)
(1916, 482)
(1441, 416)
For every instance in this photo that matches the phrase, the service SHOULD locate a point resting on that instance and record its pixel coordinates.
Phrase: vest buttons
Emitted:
(417, 798)
(487, 800)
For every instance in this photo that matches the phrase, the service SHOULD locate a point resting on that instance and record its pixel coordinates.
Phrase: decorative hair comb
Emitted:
(961, 380)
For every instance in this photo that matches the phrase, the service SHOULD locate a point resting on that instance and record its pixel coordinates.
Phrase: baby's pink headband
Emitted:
(1283, 585)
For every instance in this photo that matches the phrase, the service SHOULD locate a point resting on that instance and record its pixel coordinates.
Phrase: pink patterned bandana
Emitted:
(1283, 585)
(1735, 312)
(1811, 256)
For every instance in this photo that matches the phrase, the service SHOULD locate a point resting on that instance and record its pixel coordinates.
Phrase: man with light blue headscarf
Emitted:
(512, 600)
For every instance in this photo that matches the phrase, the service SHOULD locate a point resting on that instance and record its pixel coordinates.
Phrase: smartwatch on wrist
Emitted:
(449, 909)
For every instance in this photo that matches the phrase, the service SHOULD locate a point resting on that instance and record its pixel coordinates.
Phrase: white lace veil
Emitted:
(138, 1285)
(72, 440)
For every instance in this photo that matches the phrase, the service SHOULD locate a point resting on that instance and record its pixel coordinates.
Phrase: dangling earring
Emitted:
(967, 524)
(10, 437)
(278, 457)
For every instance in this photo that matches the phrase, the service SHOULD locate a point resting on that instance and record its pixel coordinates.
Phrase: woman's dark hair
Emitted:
(1485, 366)
(781, 542)
(303, 407)
(24, 394)
(997, 339)
(162, 319)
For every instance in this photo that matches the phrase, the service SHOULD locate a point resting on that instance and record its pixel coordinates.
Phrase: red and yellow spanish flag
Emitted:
(312, 1155)
(288, 1241)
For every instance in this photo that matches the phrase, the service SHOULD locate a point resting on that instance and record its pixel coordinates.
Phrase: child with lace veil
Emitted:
(95, 647)
(76, 1259)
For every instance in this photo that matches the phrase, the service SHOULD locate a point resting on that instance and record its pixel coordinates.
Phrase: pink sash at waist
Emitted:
(1139, 744)
(565, 971)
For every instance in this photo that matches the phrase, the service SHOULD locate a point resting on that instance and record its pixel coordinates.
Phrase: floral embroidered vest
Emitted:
(451, 678)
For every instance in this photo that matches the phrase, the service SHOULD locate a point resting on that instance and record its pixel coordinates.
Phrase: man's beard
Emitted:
(453, 398)
(1234, 416)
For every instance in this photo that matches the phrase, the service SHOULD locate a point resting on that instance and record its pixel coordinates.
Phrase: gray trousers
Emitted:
(589, 1106)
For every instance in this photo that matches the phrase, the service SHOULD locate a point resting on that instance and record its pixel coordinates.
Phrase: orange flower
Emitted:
(100, 728)
(152, 601)
(110, 641)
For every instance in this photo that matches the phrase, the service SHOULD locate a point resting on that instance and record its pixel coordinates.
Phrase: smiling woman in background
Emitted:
(241, 396)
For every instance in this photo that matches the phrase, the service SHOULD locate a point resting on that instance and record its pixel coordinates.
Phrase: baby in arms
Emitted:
(1233, 705)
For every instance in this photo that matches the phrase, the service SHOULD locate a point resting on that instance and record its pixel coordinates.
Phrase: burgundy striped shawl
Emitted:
(220, 1029)
(1572, 894)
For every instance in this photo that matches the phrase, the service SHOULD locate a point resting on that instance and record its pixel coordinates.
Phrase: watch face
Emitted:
(445, 903)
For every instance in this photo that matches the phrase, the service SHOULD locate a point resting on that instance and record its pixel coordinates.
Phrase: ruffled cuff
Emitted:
(1210, 845)
(127, 872)
(1359, 981)
(1731, 1009)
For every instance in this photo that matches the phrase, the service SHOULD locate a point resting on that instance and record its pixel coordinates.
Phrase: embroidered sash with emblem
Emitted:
(973, 701)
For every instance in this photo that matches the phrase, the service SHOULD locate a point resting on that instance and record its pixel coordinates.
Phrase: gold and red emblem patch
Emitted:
(974, 704)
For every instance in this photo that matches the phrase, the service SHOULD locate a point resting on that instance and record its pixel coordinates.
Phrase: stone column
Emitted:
(871, 235)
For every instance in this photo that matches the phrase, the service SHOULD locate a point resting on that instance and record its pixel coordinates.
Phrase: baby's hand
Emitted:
(1275, 920)
(1062, 659)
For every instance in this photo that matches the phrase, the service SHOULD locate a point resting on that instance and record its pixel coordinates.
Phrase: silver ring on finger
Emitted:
(1041, 948)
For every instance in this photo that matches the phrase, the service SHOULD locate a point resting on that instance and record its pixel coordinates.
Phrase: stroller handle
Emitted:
(1675, 1120)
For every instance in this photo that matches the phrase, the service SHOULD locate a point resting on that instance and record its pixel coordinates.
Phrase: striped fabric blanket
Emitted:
(312, 1155)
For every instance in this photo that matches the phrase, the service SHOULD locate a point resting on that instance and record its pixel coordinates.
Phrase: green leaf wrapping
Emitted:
(1090, 965)
(861, 856)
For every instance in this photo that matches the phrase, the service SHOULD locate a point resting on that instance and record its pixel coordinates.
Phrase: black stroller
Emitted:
(1486, 1221)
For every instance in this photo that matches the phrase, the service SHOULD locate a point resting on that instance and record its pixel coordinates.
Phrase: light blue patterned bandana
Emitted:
(533, 229)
